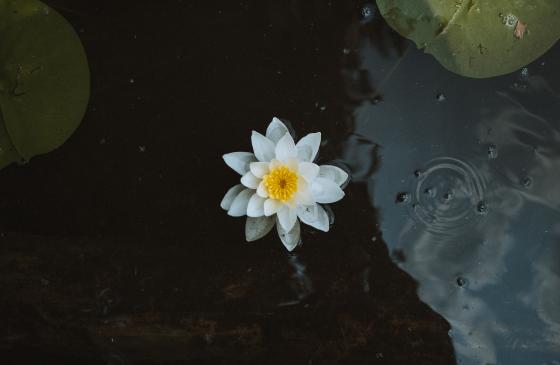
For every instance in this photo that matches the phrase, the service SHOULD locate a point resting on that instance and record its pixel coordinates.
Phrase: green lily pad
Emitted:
(477, 38)
(44, 80)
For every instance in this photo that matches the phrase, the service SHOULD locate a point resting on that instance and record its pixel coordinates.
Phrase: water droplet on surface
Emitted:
(492, 151)
(402, 198)
(430, 192)
(527, 182)
(482, 208)
(462, 282)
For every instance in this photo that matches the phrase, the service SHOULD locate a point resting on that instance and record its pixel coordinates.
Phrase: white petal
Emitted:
(256, 228)
(326, 191)
(259, 169)
(250, 180)
(262, 190)
(230, 196)
(290, 238)
(286, 148)
(305, 197)
(239, 161)
(262, 146)
(239, 205)
(255, 208)
(276, 130)
(308, 170)
(314, 216)
(292, 163)
(336, 174)
(308, 147)
(272, 206)
(287, 217)
(274, 164)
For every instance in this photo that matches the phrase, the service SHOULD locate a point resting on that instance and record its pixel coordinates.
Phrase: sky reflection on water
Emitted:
(478, 162)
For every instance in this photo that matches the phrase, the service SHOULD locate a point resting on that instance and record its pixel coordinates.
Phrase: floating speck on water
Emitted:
(448, 196)
(524, 72)
(462, 282)
(418, 173)
(403, 198)
(440, 97)
(482, 208)
(492, 151)
(527, 182)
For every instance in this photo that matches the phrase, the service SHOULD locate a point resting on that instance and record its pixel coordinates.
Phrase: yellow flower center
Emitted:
(281, 183)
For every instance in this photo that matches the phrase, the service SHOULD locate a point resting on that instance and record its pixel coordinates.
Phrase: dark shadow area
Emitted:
(114, 249)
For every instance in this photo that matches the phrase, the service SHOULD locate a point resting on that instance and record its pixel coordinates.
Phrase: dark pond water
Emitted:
(445, 250)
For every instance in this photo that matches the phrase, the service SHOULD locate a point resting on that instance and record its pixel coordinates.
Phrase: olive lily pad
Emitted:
(477, 38)
(44, 80)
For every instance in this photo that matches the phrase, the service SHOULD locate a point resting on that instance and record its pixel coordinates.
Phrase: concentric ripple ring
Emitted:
(448, 195)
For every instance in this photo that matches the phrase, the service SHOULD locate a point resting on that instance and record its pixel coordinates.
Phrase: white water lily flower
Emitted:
(280, 183)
